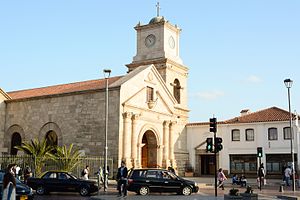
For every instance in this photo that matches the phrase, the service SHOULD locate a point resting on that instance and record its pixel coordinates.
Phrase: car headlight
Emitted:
(196, 184)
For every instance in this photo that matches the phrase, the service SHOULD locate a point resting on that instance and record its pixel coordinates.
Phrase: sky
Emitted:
(238, 52)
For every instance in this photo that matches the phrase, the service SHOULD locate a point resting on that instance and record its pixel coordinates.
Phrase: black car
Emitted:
(144, 181)
(60, 181)
(23, 192)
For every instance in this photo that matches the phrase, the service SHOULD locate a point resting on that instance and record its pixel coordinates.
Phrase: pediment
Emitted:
(134, 92)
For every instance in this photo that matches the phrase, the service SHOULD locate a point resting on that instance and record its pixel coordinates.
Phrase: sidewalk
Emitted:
(206, 185)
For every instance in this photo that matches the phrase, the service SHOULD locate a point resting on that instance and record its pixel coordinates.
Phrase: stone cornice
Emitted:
(4, 94)
(155, 62)
(154, 25)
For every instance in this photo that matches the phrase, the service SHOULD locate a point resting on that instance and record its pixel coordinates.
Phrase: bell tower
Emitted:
(158, 44)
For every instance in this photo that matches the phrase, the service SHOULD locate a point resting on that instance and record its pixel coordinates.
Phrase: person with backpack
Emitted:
(85, 173)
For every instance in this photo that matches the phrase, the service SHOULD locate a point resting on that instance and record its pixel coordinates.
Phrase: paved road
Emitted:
(269, 192)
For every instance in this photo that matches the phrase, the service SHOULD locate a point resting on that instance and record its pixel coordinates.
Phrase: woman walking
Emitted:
(221, 178)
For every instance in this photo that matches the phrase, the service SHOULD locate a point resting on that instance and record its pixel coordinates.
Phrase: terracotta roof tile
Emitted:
(266, 115)
(61, 89)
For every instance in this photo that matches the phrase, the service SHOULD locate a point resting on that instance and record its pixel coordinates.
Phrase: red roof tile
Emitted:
(61, 89)
(266, 115)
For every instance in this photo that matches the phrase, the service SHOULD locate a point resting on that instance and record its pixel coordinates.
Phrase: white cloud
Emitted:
(253, 79)
(209, 95)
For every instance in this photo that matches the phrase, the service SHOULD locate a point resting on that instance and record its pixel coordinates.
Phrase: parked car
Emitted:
(23, 192)
(61, 181)
(144, 181)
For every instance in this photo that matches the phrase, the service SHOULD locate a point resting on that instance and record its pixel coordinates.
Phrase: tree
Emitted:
(66, 158)
(40, 152)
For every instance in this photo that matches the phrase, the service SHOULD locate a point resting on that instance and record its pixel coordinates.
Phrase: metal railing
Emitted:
(23, 161)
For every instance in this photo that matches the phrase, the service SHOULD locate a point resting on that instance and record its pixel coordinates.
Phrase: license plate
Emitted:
(23, 197)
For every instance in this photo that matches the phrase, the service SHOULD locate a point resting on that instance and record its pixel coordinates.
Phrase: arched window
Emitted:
(176, 90)
(51, 138)
(16, 140)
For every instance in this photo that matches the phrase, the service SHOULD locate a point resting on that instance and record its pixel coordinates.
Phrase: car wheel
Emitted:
(40, 190)
(144, 190)
(84, 191)
(187, 190)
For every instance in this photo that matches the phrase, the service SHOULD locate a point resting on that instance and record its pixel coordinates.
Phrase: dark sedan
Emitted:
(144, 181)
(22, 191)
(60, 181)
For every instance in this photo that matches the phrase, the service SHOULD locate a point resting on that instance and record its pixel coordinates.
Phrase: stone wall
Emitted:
(2, 119)
(77, 118)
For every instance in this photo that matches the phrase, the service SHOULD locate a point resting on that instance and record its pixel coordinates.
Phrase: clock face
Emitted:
(171, 42)
(150, 40)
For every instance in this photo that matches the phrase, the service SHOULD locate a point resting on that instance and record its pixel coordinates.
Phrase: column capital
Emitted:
(126, 115)
(135, 117)
(172, 123)
(166, 123)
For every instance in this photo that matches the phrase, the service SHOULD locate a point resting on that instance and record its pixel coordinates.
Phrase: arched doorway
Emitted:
(149, 150)
(16, 140)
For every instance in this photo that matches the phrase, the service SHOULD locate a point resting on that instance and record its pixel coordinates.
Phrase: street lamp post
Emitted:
(288, 83)
(106, 75)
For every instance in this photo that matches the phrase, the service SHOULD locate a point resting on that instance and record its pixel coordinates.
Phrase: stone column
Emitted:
(126, 137)
(171, 144)
(159, 155)
(166, 161)
(134, 142)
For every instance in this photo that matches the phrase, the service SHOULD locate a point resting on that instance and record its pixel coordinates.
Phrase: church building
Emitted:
(147, 110)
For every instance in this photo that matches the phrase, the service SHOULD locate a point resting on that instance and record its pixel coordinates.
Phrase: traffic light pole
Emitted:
(215, 161)
(259, 171)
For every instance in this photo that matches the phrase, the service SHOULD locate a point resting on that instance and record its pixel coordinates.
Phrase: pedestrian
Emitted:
(27, 173)
(18, 172)
(122, 179)
(287, 175)
(85, 173)
(12, 169)
(171, 169)
(9, 187)
(105, 180)
(261, 174)
(243, 180)
(221, 178)
(99, 174)
(235, 180)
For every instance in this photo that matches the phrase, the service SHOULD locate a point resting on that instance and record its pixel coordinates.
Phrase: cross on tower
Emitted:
(157, 9)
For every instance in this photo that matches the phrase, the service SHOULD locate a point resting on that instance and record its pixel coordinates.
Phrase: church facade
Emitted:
(147, 111)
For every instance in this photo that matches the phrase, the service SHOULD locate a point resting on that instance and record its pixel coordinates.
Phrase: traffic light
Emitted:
(218, 144)
(259, 152)
(209, 144)
(213, 125)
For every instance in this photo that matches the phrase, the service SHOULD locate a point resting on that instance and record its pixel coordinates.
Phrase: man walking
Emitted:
(287, 175)
(122, 179)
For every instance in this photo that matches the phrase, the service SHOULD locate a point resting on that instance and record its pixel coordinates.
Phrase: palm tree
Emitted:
(66, 158)
(40, 151)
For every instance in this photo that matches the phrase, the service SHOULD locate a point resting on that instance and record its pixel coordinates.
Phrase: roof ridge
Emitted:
(62, 84)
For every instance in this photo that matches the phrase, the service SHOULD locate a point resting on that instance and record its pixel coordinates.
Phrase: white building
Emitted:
(268, 128)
